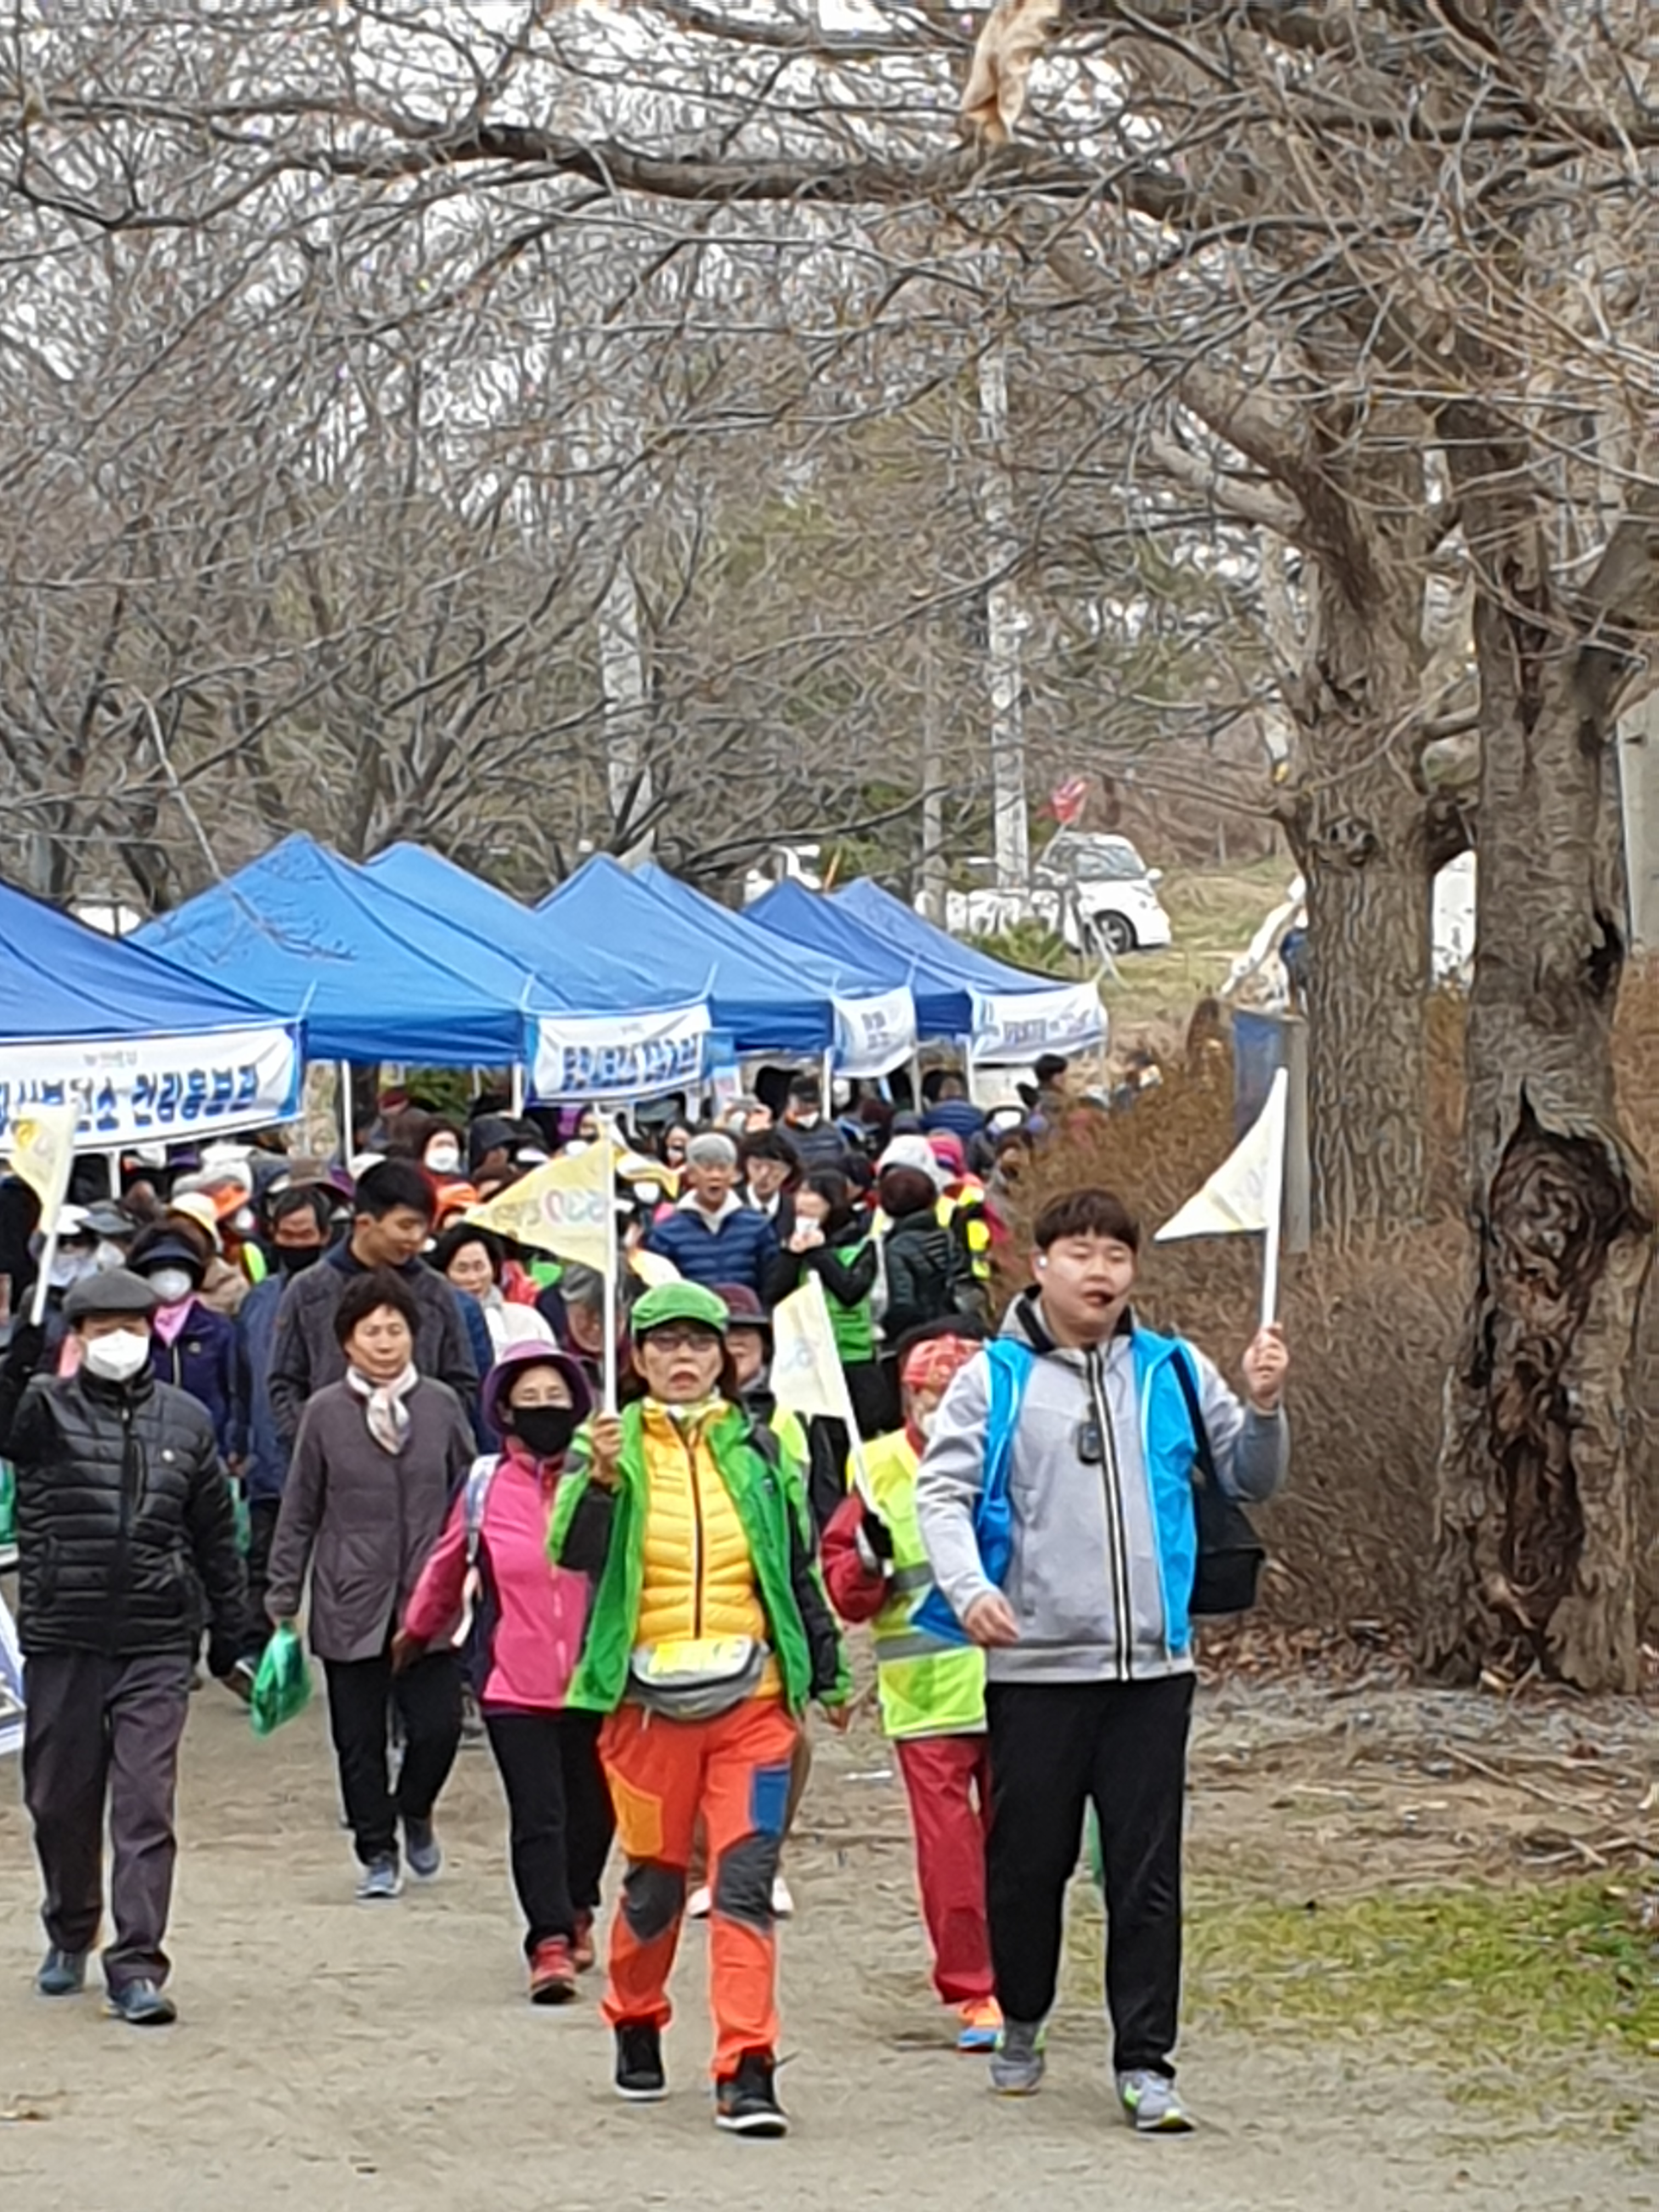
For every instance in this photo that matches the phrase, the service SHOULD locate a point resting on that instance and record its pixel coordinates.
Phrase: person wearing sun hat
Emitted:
(707, 1636)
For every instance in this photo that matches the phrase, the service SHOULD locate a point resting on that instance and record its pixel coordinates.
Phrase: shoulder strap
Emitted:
(1202, 1446)
(478, 1490)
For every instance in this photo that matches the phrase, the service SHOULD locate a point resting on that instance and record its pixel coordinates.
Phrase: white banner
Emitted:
(150, 1091)
(11, 1686)
(1013, 1026)
(876, 1035)
(583, 1058)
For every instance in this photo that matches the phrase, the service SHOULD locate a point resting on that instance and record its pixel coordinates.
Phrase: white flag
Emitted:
(1243, 1192)
(806, 1370)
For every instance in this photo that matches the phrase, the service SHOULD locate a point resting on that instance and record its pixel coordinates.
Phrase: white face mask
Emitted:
(118, 1357)
(924, 1423)
(109, 1256)
(173, 1285)
(71, 1267)
(443, 1159)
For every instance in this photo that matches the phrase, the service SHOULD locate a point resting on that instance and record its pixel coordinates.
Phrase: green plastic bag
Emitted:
(282, 1687)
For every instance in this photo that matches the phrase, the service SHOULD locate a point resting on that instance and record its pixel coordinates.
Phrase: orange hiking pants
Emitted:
(734, 1772)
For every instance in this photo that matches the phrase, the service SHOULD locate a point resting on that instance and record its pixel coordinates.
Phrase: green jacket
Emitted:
(601, 1533)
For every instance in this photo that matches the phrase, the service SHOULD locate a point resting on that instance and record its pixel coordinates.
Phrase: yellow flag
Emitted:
(651, 1268)
(42, 1154)
(806, 1370)
(567, 1208)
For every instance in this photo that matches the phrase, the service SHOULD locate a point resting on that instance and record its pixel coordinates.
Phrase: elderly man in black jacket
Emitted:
(125, 1524)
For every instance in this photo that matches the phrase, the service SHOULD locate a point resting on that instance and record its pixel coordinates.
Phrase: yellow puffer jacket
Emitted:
(699, 1578)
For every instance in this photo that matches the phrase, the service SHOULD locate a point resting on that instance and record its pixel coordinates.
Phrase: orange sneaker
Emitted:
(552, 1972)
(981, 2024)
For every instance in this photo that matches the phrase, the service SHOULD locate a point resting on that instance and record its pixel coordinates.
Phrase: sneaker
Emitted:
(745, 2103)
(1018, 2063)
(552, 1972)
(141, 2004)
(700, 1903)
(380, 1880)
(982, 2025)
(1151, 2102)
(63, 1973)
(584, 1951)
(640, 2076)
(422, 1850)
(783, 1902)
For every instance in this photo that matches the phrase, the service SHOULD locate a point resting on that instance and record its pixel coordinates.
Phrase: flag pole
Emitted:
(854, 1435)
(43, 1281)
(612, 1262)
(1274, 1197)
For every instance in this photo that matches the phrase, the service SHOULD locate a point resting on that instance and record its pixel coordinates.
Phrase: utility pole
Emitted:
(1004, 629)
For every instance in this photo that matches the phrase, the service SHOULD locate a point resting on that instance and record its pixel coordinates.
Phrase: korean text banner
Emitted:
(148, 1090)
(582, 1059)
(874, 1035)
(1012, 1027)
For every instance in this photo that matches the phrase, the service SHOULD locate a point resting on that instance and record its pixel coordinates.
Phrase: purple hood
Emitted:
(514, 1360)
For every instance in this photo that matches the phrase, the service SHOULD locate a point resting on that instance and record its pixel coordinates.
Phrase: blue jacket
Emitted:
(959, 1116)
(267, 1454)
(205, 1360)
(743, 1249)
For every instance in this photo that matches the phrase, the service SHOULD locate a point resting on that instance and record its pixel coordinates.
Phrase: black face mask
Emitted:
(546, 1430)
(295, 1259)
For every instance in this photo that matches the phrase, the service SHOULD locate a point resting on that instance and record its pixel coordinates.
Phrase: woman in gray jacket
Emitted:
(376, 1460)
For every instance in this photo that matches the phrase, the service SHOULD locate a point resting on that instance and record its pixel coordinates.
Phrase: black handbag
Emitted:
(1229, 1552)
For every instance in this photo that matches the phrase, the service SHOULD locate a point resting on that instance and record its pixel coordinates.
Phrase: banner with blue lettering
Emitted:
(1010, 1027)
(151, 1090)
(874, 1035)
(582, 1059)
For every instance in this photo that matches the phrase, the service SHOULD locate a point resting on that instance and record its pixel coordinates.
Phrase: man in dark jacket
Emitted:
(712, 1237)
(818, 1143)
(123, 1523)
(299, 1218)
(392, 1213)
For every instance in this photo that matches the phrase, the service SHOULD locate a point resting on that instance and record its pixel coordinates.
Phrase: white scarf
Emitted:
(384, 1408)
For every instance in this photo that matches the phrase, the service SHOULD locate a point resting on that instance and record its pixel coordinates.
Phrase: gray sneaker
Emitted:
(1018, 2063)
(1151, 2102)
(422, 1850)
(63, 1973)
(381, 1880)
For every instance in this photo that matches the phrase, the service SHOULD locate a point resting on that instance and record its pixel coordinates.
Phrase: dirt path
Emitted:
(333, 2057)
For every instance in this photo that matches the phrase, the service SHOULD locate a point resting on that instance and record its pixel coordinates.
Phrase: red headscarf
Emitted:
(930, 1365)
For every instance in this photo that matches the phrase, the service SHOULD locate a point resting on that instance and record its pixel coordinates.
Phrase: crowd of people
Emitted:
(271, 1391)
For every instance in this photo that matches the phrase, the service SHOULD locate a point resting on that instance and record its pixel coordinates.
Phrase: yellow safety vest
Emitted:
(927, 1686)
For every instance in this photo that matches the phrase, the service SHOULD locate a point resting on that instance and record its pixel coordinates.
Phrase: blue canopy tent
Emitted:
(789, 910)
(875, 1019)
(1017, 1016)
(753, 996)
(150, 1055)
(373, 975)
(631, 1032)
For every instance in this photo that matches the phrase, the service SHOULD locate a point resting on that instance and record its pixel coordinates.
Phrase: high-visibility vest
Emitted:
(927, 1686)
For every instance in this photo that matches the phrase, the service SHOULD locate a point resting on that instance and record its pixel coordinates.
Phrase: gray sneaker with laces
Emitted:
(1016, 2064)
(422, 1850)
(382, 1880)
(1151, 2102)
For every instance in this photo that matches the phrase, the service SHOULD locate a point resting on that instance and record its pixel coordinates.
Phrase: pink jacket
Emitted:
(532, 1612)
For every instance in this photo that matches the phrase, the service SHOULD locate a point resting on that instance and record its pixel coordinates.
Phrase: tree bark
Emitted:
(1535, 1537)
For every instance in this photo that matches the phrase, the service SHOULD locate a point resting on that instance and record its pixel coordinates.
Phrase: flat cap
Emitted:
(116, 1291)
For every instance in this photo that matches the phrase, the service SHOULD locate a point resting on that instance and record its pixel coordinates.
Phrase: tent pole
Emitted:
(827, 1080)
(343, 1082)
(518, 1092)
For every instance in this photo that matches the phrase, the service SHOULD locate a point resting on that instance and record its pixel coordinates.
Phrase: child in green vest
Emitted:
(933, 1693)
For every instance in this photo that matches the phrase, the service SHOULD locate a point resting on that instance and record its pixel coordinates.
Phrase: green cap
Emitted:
(669, 1302)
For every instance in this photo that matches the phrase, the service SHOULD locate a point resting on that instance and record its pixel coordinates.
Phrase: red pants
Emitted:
(734, 1773)
(949, 1781)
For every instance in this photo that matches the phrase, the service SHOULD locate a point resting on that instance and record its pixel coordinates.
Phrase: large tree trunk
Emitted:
(1535, 1537)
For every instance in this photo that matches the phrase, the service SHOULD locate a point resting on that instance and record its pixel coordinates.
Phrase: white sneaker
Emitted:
(700, 1904)
(783, 1903)
(1151, 2102)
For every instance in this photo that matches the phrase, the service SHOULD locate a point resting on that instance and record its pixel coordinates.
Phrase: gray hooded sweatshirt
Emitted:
(1083, 1580)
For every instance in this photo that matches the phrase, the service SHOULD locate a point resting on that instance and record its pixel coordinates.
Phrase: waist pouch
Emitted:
(697, 1680)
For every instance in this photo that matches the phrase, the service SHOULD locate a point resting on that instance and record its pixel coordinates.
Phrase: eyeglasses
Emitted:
(688, 1339)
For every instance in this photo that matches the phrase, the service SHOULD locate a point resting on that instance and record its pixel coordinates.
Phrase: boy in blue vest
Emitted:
(1084, 1624)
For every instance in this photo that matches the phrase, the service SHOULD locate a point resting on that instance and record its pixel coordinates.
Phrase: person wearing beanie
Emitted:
(126, 1537)
(191, 1347)
(708, 1635)
(932, 1691)
(711, 1237)
(490, 1567)
(817, 1143)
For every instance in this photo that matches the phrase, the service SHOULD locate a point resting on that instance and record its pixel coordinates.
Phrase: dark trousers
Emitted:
(96, 1729)
(559, 1814)
(262, 1514)
(362, 1694)
(1055, 1747)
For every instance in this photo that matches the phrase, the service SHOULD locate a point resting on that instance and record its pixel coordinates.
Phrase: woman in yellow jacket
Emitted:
(708, 1633)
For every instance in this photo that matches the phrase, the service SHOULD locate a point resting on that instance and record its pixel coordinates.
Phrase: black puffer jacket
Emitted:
(125, 1520)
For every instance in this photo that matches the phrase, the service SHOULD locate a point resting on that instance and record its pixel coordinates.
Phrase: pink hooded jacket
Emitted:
(532, 1613)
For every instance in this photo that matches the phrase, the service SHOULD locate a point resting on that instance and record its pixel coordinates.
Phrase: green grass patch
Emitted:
(1490, 1973)
(1214, 913)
